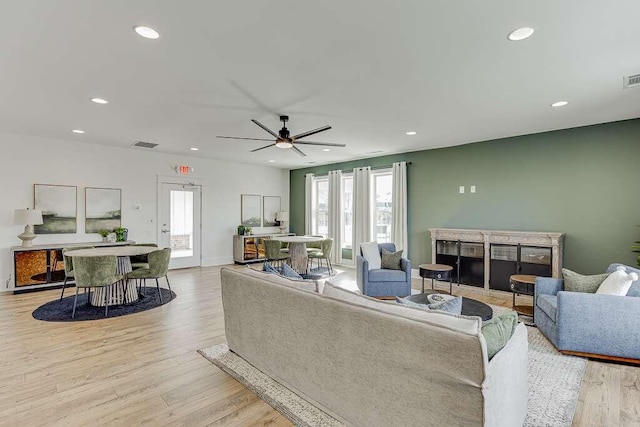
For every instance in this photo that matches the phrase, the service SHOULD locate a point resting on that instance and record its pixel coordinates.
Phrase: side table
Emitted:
(523, 284)
(436, 272)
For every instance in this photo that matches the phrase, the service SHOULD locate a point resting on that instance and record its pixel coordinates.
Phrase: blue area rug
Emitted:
(60, 310)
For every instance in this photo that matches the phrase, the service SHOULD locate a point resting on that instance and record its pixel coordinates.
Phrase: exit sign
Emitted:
(183, 170)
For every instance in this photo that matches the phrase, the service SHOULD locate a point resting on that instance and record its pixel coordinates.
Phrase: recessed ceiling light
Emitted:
(411, 132)
(99, 101)
(271, 161)
(146, 32)
(560, 104)
(326, 149)
(77, 131)
(520, 34)
(194, 149)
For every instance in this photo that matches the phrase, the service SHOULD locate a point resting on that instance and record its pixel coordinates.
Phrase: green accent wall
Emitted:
(580, 181)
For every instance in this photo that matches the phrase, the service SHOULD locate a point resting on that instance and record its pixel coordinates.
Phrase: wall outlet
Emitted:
(462, 189)
(473, 189)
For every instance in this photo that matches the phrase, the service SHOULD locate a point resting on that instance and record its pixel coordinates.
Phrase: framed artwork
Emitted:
(102, 209)
(270, 208)
(58, 204)
(250, 210)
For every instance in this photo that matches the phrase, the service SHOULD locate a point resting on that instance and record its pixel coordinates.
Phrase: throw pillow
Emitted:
(498, 330)
(290, 272)
(618, 282)
(574, 282)
(268, 268)
(391, 260)
(371, 253)
(452, 305)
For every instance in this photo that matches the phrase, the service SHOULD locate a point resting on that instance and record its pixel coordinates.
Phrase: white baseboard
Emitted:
(211, 262)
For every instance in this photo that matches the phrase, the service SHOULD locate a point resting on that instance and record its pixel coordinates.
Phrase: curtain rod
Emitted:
(373, 168)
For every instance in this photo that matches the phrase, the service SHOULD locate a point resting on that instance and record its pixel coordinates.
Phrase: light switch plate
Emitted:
(462, 189)
(473, 188)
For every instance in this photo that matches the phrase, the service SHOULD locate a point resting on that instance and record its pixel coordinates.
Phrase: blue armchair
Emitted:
(383, 282)
(595, 325)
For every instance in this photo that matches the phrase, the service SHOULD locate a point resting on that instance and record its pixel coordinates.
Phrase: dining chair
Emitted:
(274, 253)
(158, 267)
(141, 261)
(326, 245)
(97, 272)
(68, 265)
(314, 246)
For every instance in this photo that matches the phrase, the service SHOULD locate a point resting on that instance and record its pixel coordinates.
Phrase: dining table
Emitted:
(298, 250)
(123, 254)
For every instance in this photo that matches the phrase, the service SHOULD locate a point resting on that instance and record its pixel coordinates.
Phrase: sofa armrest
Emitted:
(405, 265)
(548, 286)
(362, 272)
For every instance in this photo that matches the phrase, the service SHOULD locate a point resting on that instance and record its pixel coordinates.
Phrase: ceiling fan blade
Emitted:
(262, 148)
(237, 137)
(275, 135)
(327, 144)
(298, 151)
(311, 132)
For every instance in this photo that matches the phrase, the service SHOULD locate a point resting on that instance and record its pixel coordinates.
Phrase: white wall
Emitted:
(26, 160)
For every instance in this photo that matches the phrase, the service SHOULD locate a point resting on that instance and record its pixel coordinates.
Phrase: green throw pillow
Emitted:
(574, 282)
(391, 260)
(498, 330)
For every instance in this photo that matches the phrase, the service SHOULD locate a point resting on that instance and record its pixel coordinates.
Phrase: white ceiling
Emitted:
(372, 70)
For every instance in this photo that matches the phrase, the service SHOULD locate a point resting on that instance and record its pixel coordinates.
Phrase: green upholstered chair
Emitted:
(96, 272)
(141, 261)
(273, 252)
(314, 246)
(158, 267)
(326, 246)
(68, 265)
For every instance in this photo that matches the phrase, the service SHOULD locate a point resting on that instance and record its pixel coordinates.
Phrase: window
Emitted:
(347, 211)
(382, 189)
(320, 220)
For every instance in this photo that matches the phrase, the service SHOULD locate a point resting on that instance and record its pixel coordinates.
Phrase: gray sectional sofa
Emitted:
(376, 365)
(595, 325)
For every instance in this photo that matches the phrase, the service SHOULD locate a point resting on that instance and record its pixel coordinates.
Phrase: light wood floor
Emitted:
(144, 369)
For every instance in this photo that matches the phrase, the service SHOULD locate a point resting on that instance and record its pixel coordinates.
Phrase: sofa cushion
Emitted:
(575, 282)
(498, 330)
(465, 324)
(391, 260)
(371, 253)
(383, 275)
(618, 283)
(634, 290)
(548, 304)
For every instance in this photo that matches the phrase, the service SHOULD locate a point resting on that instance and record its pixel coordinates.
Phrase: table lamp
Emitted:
(282, 217)
(28, 218)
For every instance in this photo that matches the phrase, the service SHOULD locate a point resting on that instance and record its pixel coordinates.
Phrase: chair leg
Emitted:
(159, 293)
(330, 267)
(106, 301)
(75, 301)
(168, 284)
(63, 286)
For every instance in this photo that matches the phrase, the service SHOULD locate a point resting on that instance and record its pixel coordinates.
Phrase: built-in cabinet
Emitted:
(42, 266)
(487, 258)
(250, 248)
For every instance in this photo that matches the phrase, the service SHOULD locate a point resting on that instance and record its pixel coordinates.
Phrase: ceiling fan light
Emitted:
(284, 144)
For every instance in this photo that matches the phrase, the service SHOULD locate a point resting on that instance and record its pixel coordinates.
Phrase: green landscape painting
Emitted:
(102, 209)
(58, 204)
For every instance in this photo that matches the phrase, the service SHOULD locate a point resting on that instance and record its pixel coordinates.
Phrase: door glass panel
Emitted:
(181, 237)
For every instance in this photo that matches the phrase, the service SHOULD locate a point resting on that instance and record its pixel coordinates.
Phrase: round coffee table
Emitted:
(436, 272)
(470, 307)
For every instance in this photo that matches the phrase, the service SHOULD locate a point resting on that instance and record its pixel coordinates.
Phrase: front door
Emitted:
(180, 225)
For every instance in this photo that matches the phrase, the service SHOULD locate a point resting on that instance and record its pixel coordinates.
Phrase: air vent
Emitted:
(631, 81)
(143, 144)
(375, 152)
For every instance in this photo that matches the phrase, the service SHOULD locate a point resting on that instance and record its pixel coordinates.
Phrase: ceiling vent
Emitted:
(143, 144)
(631, 81)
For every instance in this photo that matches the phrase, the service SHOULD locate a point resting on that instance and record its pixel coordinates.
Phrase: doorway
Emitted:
(180, 225)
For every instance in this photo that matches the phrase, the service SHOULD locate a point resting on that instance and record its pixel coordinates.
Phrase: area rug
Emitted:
(554, 385)
(59, 310)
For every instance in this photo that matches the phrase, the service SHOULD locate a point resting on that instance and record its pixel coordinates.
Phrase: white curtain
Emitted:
(399, 234)
(335, 214)
(361, 208)
(308, 204)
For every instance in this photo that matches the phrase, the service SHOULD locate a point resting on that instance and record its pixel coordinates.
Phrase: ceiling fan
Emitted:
(283, 140)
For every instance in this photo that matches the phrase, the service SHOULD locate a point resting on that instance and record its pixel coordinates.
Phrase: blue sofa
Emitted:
(383, 282)
(599, 326)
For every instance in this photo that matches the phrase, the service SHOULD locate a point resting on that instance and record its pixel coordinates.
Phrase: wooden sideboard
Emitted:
(250, 248)
(487, 258)
(42, 266)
